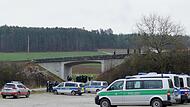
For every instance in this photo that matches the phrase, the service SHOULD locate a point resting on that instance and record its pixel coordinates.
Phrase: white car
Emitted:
(15, 89)
(69, 88)
(95, 86)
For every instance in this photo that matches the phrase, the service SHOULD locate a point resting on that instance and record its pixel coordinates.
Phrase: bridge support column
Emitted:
(111, 63)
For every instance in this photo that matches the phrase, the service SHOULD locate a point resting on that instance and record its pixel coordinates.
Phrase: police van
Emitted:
(95, 86)
(157, 92)
(175, 80)
(185, 86)
(69, 88)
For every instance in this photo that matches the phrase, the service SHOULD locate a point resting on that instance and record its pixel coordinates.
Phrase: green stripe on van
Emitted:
(133, 92)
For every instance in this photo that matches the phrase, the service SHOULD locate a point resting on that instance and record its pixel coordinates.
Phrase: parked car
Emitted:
(178, 92)
(69, 88)
(15, 89)
(157, 92)
(95, 86)
(185, 87)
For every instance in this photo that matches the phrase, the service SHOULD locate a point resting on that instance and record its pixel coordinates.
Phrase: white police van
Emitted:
(69, 88)
(185, 86)
(157, 92)
(95, 86)
(175, 80)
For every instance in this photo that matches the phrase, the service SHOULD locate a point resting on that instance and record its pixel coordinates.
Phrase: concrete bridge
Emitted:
(62, 67)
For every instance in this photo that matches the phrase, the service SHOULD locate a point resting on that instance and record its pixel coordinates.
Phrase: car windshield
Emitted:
(176, 81)
(9, 86)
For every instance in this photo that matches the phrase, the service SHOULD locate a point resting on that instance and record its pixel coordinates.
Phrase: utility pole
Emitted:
(28, 49)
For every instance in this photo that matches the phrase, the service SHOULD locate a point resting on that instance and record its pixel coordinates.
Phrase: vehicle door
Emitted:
(115, 92)
(21, 89)
(60, 88)
(132, 92)
(69, 87)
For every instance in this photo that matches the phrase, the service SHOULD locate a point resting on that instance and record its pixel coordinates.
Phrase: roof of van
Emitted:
(144, 79)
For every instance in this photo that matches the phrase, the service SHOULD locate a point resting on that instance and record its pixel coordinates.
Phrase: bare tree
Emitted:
(159, 33)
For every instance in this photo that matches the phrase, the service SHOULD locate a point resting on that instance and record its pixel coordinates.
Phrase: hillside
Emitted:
(30, 74)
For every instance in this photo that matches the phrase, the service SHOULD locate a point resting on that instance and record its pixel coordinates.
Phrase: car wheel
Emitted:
(156, 103)
(73, 93)
(182, 101)
(4, 96)
(28, 94)
(105, 103)
(16, 96)
(55, 92)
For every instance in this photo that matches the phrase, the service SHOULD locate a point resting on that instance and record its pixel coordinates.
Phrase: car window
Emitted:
(20, 86)
(117, 86)
(105, 84)
(96, 83)
(170, 83)
(176, 81)
(70, 85)
(9, 86)
(152, 84)
(61, 85)
(181, 82)
(133, 84)
(81, 85)
(188, 82)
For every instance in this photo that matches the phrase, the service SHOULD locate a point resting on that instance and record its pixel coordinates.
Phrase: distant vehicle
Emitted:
(15, 89)
(157, 92)
(95, 86)
(73, 88)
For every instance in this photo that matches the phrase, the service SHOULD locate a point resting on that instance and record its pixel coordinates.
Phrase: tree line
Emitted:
(17, 39)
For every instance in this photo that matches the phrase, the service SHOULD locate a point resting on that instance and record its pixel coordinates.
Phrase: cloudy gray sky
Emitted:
(120, 15)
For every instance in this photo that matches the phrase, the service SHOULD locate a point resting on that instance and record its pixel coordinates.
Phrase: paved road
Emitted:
(50, 100)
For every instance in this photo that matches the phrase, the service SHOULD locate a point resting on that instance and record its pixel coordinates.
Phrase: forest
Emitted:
(18, 39)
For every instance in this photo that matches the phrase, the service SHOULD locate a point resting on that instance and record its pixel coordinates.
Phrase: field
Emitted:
(39, 55)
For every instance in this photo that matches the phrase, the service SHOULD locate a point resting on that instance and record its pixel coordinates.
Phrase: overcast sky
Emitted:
(120, 15)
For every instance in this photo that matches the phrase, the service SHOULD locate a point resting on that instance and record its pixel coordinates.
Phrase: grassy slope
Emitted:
(39, 55)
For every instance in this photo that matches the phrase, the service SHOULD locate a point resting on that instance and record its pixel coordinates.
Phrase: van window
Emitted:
(70, 85)
(116, 86)
(188, 82)
(152, 84)
(181, 82)
(133, 84)
(176, 81)
(170, 83)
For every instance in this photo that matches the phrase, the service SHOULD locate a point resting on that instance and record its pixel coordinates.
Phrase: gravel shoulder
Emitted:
(51, 100)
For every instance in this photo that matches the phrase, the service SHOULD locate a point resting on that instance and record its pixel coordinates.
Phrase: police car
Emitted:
(180, 98)
(73, 88)
(157, 92)
(95, 86)
(15, 89)
(185, 86)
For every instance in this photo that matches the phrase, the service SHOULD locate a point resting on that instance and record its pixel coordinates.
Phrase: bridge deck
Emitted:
(83, 58)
